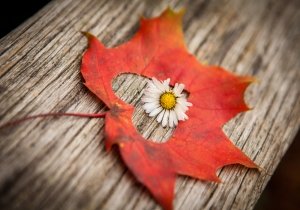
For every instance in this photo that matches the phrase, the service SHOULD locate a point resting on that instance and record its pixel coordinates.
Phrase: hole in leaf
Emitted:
(128, 87)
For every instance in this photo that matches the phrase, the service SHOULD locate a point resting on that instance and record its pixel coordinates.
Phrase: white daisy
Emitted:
(169, 105)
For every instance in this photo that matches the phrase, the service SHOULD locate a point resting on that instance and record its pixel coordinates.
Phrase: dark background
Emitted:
(14, 13)
(283, 190)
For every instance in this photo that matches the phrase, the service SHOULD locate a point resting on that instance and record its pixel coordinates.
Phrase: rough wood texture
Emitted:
(61, 162)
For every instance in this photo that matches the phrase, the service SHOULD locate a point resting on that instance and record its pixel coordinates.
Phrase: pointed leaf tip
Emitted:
(88, 35)
(170, 12)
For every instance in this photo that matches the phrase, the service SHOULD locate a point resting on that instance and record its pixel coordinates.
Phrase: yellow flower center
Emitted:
(167, 100)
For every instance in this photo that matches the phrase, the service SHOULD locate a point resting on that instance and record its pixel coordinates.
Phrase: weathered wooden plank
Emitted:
(61, 163)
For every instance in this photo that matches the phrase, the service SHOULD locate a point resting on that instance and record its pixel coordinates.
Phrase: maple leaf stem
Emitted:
(99, 115)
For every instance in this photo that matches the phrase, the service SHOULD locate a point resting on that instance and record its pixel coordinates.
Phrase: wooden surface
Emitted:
(61, 162)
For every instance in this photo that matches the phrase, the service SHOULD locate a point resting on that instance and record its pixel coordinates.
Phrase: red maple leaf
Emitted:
(198, 146)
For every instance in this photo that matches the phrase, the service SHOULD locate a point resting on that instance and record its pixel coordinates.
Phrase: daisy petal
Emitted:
(166, 85)
(182, 107)
(182, 100)
(148, 99)
(171, 118)
(178, 113)
(180, 88)
(160, 116)
(188, 104)
(149, 94)
(185, 116)
(175, 118)
(155, 111)
(175, 90)
(153, 88)
(165, 119)
(151, 109)
(150, 106)
(158, 84)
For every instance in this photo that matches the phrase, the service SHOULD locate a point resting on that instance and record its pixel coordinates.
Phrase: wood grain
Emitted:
(61, 162)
